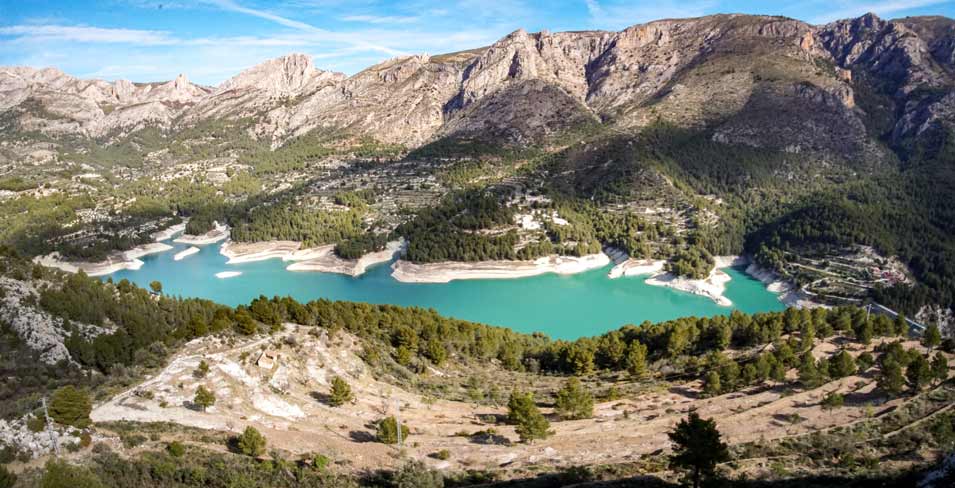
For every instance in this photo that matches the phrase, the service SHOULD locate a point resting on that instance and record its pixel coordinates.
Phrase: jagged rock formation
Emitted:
(759, 80)
(39, 330)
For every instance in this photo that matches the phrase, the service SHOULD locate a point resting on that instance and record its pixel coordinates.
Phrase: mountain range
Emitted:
(842, 89)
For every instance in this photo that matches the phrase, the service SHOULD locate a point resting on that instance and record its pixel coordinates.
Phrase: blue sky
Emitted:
(210, 40)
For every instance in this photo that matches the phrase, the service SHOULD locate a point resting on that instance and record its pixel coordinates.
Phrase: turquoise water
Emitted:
(564, 307)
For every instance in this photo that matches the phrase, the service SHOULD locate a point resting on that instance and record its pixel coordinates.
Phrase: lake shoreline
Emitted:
(444, 272)
(125, 260)
(321, 259)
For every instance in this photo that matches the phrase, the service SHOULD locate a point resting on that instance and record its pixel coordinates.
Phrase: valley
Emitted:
(544, 261)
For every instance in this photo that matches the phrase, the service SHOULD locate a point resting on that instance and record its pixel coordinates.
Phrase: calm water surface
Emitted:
(564, 307)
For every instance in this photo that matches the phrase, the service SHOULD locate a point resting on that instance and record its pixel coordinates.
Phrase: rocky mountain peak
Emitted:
(279, 77)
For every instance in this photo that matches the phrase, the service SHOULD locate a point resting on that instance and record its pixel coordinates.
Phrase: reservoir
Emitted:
(563, 307)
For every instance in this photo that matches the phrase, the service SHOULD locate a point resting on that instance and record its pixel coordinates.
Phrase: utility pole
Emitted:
(398, 420)
(49, 429)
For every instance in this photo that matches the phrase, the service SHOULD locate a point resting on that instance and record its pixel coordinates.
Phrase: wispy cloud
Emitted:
(72, 33)
(381, 19)
(848, 9)
(622, 14)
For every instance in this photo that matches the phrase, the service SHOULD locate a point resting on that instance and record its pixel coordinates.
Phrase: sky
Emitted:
(211, 40)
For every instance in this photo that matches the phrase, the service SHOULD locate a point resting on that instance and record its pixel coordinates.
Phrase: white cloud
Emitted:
(381, 19)
(850, 9)
(31, 32)
(617, 15)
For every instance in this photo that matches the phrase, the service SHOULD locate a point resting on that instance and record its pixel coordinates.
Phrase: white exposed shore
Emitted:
(328, 262)
(219, 233)
(790, 295)
(319, 259)
(117, 262)
(168, 232)
(712, 287)
(185, 253)
(408, 272)
(228, 274)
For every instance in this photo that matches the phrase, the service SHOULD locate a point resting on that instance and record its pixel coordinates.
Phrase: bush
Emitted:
(341, 392)
(574, 401)
(60, 474)
(833, 400)
(443, 455)
(416, 475)
(202, 370)
(522, 412)
(70, 406)
(176, 449)
(204, 398)
(387, 432)
(7, 479)
(251, 442)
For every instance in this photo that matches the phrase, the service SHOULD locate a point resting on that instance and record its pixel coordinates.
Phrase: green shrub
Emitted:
(574, 401)
(60, 474)
(251, 442)
(387, 432)
(70, 406)
(175, 449)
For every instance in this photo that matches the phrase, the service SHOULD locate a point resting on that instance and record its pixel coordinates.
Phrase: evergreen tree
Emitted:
(890, 378)
(574, 401)
(841, 365)
(931, 338)
(251, 442)
(809, 374)
(156, 286)
(202, 370)
(71, 406)
(697, 447)
(711, 384)
(341, 392)
(940, 367)
(919, 372)
(833, 400)
(387, 432)
(204, 398)
(637, 359)
(807, 336)
(522, 412)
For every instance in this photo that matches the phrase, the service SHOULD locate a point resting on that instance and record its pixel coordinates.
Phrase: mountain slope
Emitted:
(734, 73)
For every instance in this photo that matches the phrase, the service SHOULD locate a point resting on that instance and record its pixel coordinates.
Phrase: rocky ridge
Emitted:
(730, 73)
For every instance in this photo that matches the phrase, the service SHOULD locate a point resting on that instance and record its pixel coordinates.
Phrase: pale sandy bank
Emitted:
(116, 262)
(219, 233)
(712, 287)
(319, 259)
(185, 253)
(326, 261)
(168, 232)
(408, 272)
(228, 274)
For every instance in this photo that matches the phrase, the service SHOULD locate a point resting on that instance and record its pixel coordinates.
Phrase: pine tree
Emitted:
(809, 374)
(931, 337)
(71, 406)
(940, 367)
(202, 370)
(807, 336)
(341, 392)
(574, 401)
(251, 442)
(890, 379)
(637, 359)
(387, 432)
(204, 398)
(697, 447)
(522, 412)
(841, 365)
(919, 372)
(711, 384)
